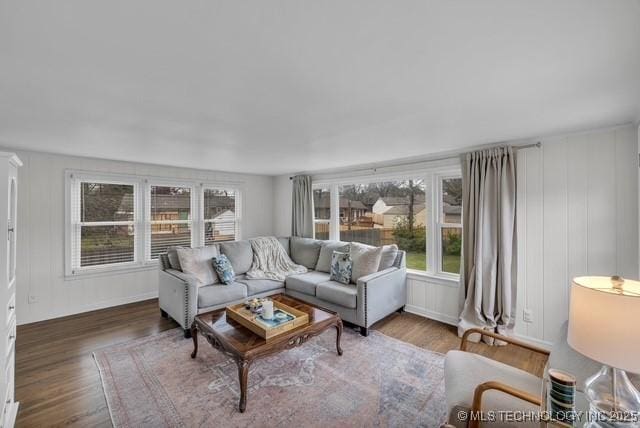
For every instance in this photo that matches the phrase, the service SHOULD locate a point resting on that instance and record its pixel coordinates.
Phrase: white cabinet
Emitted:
(9, 164)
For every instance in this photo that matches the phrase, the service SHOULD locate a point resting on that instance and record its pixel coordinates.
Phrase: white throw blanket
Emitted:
(270, 260)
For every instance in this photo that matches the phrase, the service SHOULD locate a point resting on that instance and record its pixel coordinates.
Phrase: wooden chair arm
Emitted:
(476, 407)
(481, 332)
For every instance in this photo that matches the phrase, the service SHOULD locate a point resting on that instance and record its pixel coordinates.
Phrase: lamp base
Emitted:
(614, 401)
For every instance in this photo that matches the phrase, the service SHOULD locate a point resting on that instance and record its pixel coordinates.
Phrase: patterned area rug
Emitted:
(379, 381)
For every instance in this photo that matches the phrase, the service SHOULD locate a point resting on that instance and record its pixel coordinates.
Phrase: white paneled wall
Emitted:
(577, 215)
(43, 291)
(433, 298)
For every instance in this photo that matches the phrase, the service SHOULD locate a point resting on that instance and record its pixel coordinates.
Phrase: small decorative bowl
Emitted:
(255, 306)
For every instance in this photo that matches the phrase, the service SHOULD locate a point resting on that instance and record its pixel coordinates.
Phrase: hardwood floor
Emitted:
(58, 384)
(439, 337)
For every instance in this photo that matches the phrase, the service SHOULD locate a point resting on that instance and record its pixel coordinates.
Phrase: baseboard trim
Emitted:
(448, 319)
(94, 307)
(541, 343)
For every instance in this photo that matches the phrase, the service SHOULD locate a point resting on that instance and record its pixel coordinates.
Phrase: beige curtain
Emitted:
(489, 241)
(302, 207)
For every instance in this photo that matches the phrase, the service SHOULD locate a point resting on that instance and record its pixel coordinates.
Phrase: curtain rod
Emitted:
(523, 146)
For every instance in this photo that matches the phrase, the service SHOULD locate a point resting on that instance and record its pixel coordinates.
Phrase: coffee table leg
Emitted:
(338, 334)
(194, 336)
(243, 377)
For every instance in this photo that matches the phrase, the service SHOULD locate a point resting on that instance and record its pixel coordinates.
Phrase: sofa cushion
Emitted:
(257, 286)
(239, 254)
(174, 260)
(305, 251)
(199, 263)
(328, 247)
(366, 260)
(219, 294)
(388, 257)
(284, 241)
(306, 282)
(340, 294)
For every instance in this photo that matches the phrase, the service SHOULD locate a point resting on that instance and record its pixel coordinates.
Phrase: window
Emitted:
(170, 221)
(322, 213)
(450, 223)
(388, 212)
(420, 213)
(220, 215)
(103, 223)
(123, 222)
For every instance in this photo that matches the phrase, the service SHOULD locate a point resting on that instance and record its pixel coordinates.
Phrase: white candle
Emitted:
(267, 309)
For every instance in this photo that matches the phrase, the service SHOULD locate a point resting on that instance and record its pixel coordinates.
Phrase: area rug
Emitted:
(379, 381)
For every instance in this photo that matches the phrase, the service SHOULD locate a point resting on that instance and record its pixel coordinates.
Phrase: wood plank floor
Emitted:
(58, 384)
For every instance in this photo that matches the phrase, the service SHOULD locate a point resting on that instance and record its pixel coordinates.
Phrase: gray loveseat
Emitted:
(372, 298)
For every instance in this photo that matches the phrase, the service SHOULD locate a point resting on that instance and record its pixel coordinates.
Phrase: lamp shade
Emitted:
(604, 321)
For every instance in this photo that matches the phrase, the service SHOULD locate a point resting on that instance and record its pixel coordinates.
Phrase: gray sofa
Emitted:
(372, 298)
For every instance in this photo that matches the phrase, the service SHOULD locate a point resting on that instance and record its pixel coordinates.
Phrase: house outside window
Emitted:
(384, 213)
(221, 215)
(322, 213)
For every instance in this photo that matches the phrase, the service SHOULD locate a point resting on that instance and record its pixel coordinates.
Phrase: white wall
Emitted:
(577, 215)
(41, 235)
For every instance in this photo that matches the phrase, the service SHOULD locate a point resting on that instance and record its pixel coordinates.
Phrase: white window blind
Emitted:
(103, 223)
(220, 215)
(169, 220)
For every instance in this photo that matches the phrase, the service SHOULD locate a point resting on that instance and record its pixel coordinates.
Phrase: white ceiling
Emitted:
(282, 86)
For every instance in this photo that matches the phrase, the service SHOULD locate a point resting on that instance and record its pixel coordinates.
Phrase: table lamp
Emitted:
(604, 325)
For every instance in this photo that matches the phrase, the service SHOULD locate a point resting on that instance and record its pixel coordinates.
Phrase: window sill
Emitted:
(447, 280)
(111, 270)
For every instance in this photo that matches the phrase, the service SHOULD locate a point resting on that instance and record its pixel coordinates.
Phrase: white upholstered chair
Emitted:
(474, 384)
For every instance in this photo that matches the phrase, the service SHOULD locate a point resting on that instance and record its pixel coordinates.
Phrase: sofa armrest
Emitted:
(380, 294)
(178, 296)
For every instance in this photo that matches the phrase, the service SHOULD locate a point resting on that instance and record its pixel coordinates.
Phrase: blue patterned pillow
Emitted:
(341, 267)
(223, 268)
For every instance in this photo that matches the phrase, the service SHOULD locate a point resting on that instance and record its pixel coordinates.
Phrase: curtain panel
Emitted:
(489, 241)
(302, 207)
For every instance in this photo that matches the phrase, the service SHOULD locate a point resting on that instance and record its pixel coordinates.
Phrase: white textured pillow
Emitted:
(366, 260)
(199, 263)
(326, 254)
(389, 255)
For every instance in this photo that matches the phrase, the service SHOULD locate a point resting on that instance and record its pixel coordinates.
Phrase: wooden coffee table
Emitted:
(245, 346)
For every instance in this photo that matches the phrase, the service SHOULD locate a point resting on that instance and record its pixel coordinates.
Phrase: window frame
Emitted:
(433, 203)
(142, 212)
(328, 221)
(440, 224)
(238, 210)
(73, 224)
(148, 223)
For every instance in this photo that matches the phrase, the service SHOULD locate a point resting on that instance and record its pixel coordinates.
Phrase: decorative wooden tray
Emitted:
(247, 319)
